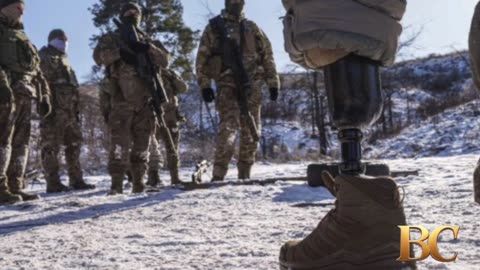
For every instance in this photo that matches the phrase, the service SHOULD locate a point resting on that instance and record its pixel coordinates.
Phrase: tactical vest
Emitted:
(64, 74)
(243, 33)
(17, 54)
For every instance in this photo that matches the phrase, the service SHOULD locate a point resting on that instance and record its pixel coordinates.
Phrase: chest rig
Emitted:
(62, 70)
(17, 54)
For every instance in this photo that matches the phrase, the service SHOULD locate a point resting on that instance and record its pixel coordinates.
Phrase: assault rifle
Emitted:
(232, 56)
(200, 169)
(150, 73)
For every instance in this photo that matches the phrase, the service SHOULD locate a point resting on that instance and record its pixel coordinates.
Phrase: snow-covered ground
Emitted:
(230, 228)
(450, 133)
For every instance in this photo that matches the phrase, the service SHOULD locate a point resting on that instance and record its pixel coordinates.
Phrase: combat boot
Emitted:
(117, 185)
(360, 233)
(26, 196)
(6, 197)
(476, 183)
(244, 170)
(153, 178)
(81, 185)
(137, 184)
(56, 186)
(138, 187)
(174, 177)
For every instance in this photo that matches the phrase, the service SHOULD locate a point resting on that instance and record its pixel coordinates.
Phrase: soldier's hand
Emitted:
(140, 47)
(6, 95)
(128, 57)
(208, 95)
(273, 94)
(106, 117)
(45, 107)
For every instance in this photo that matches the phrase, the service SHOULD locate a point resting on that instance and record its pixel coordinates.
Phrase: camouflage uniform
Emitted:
(131, 120)
(174, 85)
(259, 62)
(19, 72)
(63, 125)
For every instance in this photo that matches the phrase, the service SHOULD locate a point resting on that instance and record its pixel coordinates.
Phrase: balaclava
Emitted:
(58, 39)
(135, 20)
(235, 9)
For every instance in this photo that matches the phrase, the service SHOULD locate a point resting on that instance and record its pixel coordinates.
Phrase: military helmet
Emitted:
(56, 33)
(128, 6)
(4, 3)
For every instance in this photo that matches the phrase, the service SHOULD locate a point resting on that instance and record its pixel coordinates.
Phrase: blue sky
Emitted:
(445, 24)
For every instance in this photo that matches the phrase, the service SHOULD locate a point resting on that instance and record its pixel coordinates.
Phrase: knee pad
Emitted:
(354, 92)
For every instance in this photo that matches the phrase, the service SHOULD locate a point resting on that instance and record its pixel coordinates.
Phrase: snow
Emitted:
(239, 227)
(450, 133)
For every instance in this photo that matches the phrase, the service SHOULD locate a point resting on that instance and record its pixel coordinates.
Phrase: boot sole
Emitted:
(335, 262)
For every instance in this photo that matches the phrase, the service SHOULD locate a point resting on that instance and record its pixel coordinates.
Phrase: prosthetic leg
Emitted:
(355, 101)
(361, 232)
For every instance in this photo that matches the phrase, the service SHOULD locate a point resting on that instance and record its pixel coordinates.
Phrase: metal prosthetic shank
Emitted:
(355, 101)
(350, 140)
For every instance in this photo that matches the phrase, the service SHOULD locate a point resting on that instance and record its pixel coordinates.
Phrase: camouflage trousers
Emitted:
(130, 130)
(230, 123)
(61, 128)
(156, 158)
(14, 139)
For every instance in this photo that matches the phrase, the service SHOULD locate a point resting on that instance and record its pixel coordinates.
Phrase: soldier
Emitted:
(174, 85)
(62, 127)
(350, 40)
(474, 48)
(130, 120)
(256, 53)
(20, 81)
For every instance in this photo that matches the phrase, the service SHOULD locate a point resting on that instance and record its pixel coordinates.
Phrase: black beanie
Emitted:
(129, 6)
(56, 33)
(4, 3)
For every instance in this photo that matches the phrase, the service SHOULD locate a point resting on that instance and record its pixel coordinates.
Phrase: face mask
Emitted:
(59, 44)
(235, 9)
(134, 20)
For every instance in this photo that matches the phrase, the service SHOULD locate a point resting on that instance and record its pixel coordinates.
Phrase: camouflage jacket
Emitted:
(257, 52)
(107, 54)
(173, 84)
(20, 62)
(61, 79)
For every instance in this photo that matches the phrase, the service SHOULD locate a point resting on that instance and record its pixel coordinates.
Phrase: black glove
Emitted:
(6, 95)
(45, 107)
(208, 95)
(128, 57)
(106, 117)
(140, 47)
(273, 94)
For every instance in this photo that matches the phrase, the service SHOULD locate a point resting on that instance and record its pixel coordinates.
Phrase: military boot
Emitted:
(6, 197)
(26, 196)
(153, 178)
(175, 178)
(138, 187)
(117, 185)
(81, 185)
(56, 186)
(244, 170)
(476, 183)
(360, 233)
(137, 182)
